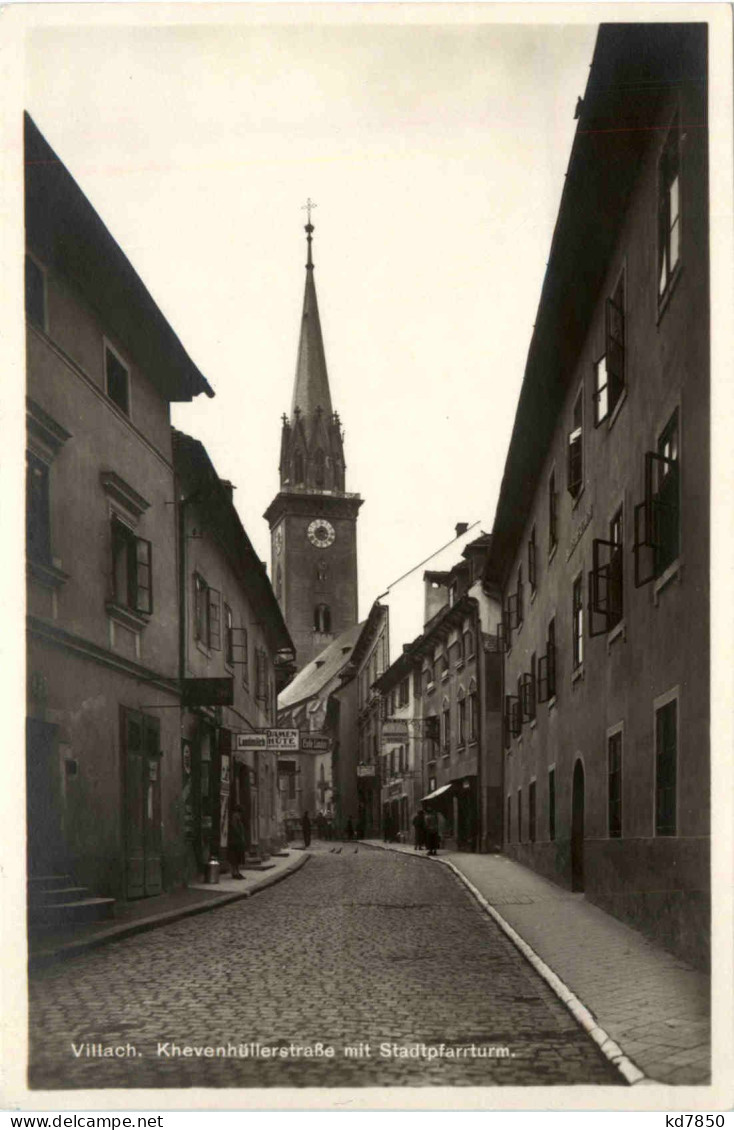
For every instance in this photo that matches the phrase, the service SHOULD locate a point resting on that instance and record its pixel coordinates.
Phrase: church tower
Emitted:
(312, 519)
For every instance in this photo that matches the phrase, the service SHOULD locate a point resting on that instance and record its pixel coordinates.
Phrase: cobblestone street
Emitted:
(362, 947)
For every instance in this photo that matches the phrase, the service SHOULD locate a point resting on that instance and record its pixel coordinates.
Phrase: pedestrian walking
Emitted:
(419, 824)
(350, 828)
(237, 842)
(432, 837)
(306, 825)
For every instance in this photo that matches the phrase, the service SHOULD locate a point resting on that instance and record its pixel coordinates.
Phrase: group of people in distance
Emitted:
(426, 831)
(325, 829)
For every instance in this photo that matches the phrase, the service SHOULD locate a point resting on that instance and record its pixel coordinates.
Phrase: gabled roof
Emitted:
(194, 467)
(311, 388)
(321, 670)
(66, 233)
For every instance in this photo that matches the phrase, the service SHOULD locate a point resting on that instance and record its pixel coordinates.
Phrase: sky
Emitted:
(435, 150)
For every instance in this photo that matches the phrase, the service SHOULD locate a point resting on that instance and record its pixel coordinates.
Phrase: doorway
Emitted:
(577, 828)
(44, 836)
(142, 804)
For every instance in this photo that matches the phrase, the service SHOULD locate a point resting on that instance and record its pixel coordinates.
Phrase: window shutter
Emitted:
(143, 576)
(543, 694)
(575, 466)
(215, 620)
(615, 346)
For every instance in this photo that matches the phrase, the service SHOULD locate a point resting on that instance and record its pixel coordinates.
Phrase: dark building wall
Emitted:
(658, 883)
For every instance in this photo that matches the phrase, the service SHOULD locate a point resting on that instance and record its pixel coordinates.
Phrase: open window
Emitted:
(528, 693)
(532, 562)
(606, 580)
(669, 210)
(575, 452)
(513, 727)
(657, 517)
(132, 569)
(609, 370)
(547, 666)
(552, 513)
(117, 380)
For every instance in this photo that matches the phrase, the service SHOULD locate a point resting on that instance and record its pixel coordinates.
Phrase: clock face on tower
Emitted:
(321, 533)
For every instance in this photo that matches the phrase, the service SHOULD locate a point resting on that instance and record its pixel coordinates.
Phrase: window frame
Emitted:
(552, 512)
(108, 347)
(577, 622)
(124, 540)
(660, 704)
(665, 227)
(42, 536)
(575, 449)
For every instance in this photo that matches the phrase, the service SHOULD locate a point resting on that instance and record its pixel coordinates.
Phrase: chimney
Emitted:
(461, 528)
(229, 488)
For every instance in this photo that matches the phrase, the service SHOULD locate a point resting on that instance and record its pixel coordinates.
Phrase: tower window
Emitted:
(322, 618)
(298, 472)
(319, 474)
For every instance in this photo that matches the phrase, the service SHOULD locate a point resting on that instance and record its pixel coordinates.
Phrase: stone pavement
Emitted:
(655, 1006)
(148, 914)
(387, 962)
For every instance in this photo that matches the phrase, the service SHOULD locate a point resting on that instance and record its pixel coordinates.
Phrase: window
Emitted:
(609, 370)
(442, 664)
(614, 761)
(606, 580)
(322, 620)
(207, 615)
(666, 756)
(322, 572)
(519, 610)
(552, 804)
(508, 832)
(228, 636)
(575, 454)
(532, 574)
(35, 293)
(244, 649)
(404, 692)
(468, 643)
(38, 513)
(531, 812)
(445, 726)
(472, 712)
(319, 463)
(519, 816)
(669, 210)
(453, 593)
(261, 675)
(132, 569)
(577, 624)
(462, 720)
(552, 513)
(279, 583)
(117, 376)
(513, 727)
(298, 468)
(547, 666)
(657, 517)
(527, 699)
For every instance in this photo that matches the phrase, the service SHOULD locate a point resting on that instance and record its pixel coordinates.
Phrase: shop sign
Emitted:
(257, 739)
(395, 728)
(365, 770)
(285, 741)
(315, 743)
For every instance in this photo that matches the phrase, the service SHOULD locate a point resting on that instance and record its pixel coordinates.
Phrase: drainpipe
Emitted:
(481, 705)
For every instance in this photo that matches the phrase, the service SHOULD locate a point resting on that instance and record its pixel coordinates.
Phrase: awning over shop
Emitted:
(437, 792)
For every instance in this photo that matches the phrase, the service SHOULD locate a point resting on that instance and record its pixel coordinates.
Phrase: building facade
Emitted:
(235, 649)
(104, 776)
(601, 539)
(313, 519)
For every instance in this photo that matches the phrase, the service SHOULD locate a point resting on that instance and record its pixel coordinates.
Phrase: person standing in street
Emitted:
(237, 842)
(306, 825)
(419, 823)
(432, 837)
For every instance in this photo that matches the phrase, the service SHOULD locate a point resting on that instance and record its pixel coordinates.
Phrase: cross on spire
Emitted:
(307, 208)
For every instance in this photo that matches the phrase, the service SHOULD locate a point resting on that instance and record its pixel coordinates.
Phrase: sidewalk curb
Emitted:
(39, 958)
(630, 1072)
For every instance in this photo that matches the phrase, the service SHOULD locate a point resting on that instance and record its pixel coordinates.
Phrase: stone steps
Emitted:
(55, 900)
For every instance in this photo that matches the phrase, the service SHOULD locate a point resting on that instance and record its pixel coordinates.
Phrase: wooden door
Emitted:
(46, 850)
(142, 804)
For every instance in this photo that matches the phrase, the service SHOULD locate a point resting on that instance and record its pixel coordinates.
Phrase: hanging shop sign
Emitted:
(315, 743)
(365, 770)
(283, 741)
(255, 740)
(395, 728)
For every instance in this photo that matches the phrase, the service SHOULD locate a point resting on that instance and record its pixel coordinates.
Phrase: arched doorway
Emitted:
(577, 828)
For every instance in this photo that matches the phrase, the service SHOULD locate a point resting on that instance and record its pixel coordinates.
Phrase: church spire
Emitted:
(311, 388)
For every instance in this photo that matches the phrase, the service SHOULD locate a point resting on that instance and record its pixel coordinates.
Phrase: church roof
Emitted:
(311, 388)
(321, 670)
